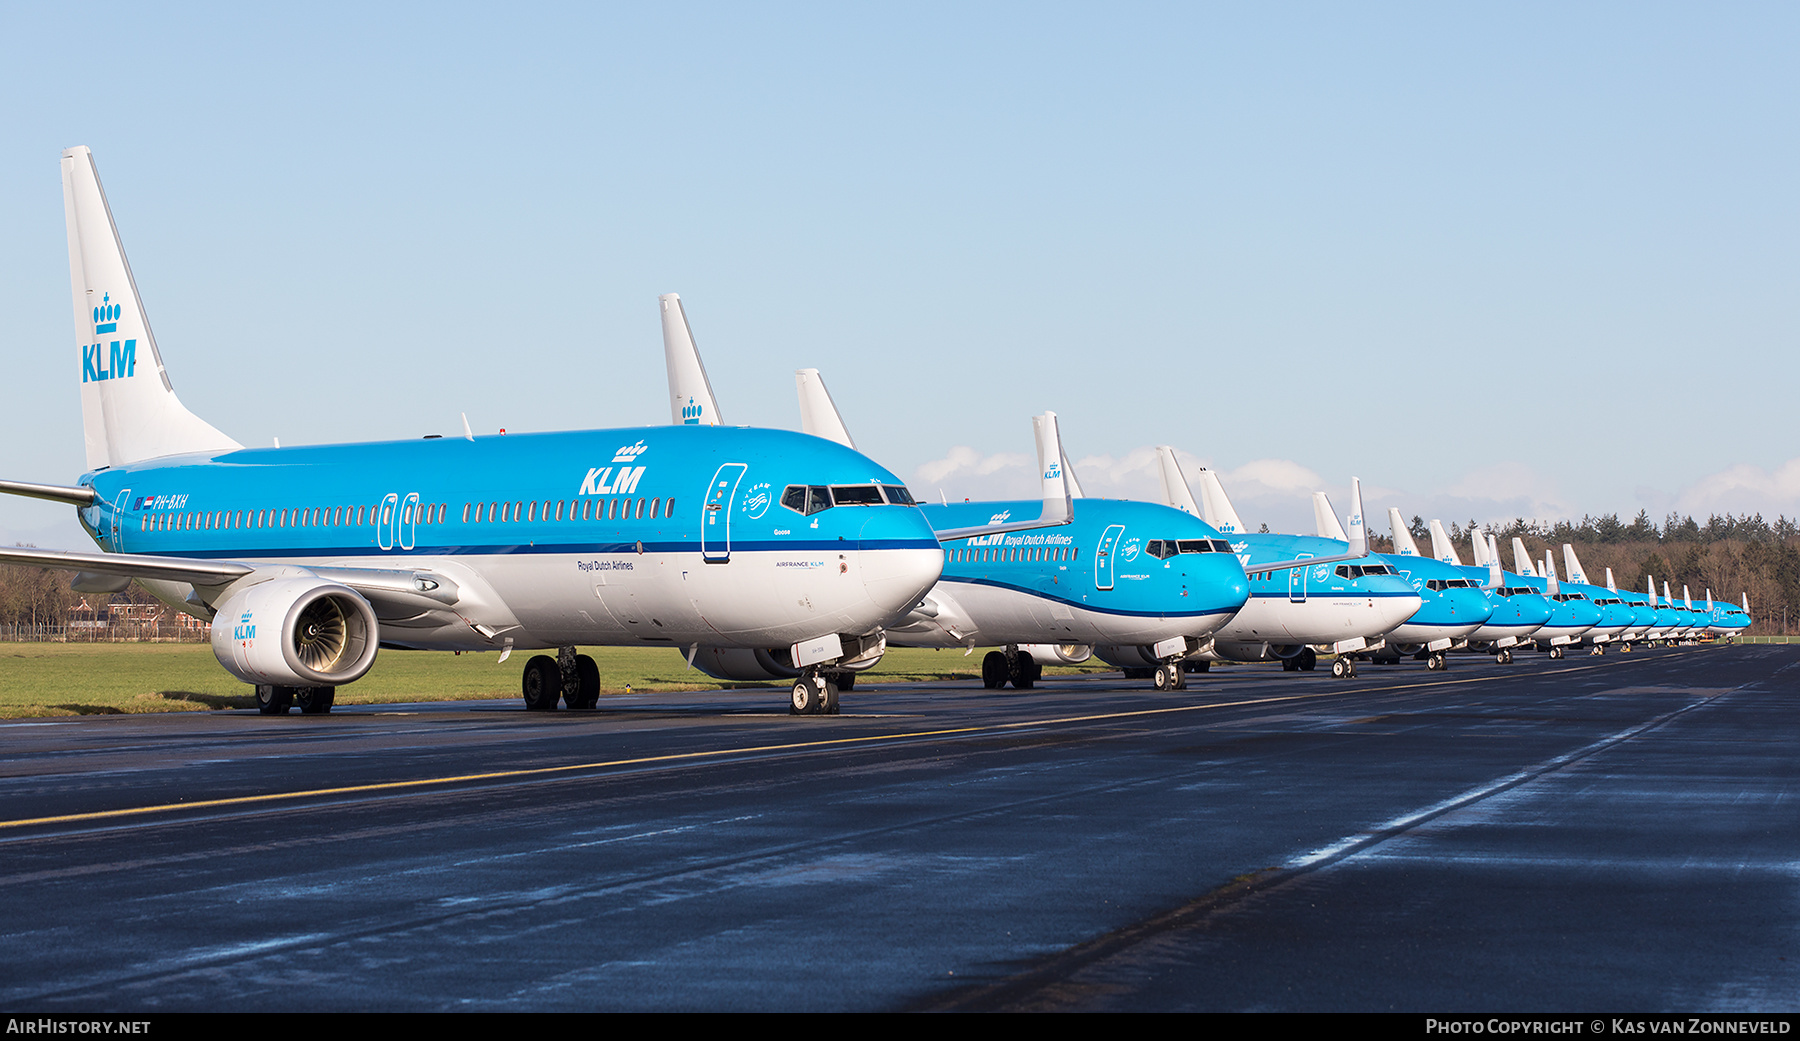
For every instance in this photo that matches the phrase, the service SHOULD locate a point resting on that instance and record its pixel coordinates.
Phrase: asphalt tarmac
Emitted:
(1615, 834)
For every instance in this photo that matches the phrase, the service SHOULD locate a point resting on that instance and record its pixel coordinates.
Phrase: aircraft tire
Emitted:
(806, 698)
(1289, 665)
(845, 680)
(1556, 653)
(1340, 668)
(1161, 680)
(830, 707)
(1024, 671)
(587, 681)
(272, 700)
(1436, 662)
(993, 670)
(315, 701)
(1307, 659)
(542, 684)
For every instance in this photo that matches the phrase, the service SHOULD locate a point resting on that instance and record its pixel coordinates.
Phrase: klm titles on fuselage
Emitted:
(1004, 539)
(601, 480)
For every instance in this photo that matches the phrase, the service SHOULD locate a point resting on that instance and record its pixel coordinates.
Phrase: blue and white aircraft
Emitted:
(1617, 616)
(1305, 592)
(1573, 615)
(308, 560)
(1516, 615)
(1452, 605)
(1045, 580)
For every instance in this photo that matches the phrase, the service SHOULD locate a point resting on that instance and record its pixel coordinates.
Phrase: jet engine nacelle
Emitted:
(295, 630)
(1057, 653)
(777, 663)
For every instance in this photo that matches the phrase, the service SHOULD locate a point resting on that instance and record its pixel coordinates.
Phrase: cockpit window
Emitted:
(806, 499)
(855, 495)
(1163, 549)
(898, 495)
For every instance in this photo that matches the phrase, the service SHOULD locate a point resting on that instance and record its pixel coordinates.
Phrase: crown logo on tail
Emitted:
(106, 316)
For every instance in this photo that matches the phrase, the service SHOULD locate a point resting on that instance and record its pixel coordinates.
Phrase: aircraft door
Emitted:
(386, 523)
(1297, 581)
(118, 517)
(406, 523)
(1103, 556)
(715, 517)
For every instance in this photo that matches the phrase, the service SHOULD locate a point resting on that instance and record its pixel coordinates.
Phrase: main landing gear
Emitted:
(814, 695)
(275, 701)
(568, 677)
(1435, 661)
(1169, 676)
(998, 668)
(1556, 653)
(1503, 657)
(1343, 668)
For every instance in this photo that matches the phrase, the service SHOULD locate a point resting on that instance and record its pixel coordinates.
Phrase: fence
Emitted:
(134, 631)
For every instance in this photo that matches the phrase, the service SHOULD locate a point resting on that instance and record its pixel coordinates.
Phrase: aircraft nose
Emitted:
(899, 559)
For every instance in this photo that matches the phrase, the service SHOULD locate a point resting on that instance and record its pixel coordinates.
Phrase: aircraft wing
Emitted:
(1358, 541)
(389, 588)
(131, 565)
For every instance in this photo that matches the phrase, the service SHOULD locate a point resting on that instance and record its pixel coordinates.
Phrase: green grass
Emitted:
(60, 679)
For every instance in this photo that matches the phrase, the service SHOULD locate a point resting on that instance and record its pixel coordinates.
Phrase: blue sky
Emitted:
(1495, 260)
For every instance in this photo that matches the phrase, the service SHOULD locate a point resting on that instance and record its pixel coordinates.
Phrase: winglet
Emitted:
(1325, 520)
(1359, 532)
(818, 413)
(1174, 484)
(1403, 541)
(691, 401)
(1059, 506)
(1441, 547)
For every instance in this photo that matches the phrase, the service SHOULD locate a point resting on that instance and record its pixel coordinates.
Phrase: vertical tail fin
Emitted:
(1359, 531)
(1403, 541)
(1551, 585)
(1572, 565)
(1175, 487)
(818, 413)
(1441, 546)
(1075, 491)
(1325, 520)
(1216, 506)
(129, 410)
(1522, 559)
(691, 401)
(1609, 581)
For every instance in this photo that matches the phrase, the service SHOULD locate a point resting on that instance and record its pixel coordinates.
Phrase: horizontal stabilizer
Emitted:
(691, 400)
(78, 495)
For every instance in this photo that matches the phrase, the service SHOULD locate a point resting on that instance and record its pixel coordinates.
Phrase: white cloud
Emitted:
(1744, 489)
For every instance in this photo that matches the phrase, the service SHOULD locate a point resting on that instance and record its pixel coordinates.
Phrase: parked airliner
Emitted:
(308, 560)
(1045, 580)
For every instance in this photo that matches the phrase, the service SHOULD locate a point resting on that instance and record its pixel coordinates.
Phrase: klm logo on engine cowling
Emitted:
(602, 480)
(245, 630)
(101, 361)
